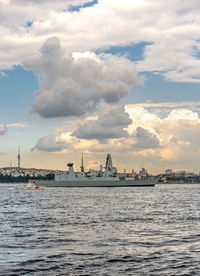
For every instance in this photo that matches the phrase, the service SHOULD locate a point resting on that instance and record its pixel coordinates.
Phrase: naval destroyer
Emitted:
(105, 177)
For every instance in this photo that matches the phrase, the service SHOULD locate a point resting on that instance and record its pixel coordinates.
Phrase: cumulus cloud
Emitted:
(3, 129)
(50, 143)
(167, 121)
(109, 125)
(145, 139)
(74, 85)
(183, 127)
(108, 132)
(182, 114)
(167, 136)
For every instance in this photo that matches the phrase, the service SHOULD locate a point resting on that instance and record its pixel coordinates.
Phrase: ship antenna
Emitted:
(18, 157)
(82, 166)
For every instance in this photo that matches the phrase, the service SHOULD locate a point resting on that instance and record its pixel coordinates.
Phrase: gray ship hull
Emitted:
(96, 183)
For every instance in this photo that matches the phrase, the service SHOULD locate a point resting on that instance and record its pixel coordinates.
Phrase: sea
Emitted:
(100, 231)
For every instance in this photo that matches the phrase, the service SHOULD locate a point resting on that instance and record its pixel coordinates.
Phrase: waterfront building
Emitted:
(168, 171)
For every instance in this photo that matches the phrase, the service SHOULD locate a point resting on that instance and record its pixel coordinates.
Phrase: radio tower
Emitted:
(18, 157)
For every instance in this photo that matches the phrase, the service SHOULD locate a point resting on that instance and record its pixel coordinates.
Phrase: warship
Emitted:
(105, 177)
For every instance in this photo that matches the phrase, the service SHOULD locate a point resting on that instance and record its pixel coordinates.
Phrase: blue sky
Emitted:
(76, 8)
(65, 71)
(157, 89)
(17, 88)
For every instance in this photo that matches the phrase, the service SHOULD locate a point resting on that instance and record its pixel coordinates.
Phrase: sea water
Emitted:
(100, 231)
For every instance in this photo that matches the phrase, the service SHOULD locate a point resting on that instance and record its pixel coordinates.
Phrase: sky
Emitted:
(98, 77)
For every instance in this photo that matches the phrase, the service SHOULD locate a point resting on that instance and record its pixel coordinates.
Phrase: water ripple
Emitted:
(100, 231)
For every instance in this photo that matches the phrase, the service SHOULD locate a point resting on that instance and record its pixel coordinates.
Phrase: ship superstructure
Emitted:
(108, 174)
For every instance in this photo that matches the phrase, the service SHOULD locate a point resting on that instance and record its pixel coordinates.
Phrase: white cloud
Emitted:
(21, 125)
(145, 139)
(182, 114)
(110, 125)
(3, 129)
(171, 26)
(3, 74)
(74, 86)
(169, 105)
(50, 143)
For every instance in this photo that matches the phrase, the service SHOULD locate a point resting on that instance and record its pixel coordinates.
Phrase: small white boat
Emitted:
(30, 186)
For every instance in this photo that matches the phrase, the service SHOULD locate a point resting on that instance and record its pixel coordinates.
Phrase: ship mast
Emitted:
(82, 166)
(18, 157)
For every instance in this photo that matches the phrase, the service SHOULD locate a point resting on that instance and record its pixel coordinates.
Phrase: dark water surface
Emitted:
(100, 231)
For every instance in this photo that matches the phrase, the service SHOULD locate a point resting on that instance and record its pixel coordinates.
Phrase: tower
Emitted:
(82, 166)
(18, 157)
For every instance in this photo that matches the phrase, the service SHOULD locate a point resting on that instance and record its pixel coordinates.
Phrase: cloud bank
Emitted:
(169, 138)
(25, 25)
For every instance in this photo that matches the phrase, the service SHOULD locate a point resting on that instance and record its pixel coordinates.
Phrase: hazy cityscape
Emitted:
(21, 174)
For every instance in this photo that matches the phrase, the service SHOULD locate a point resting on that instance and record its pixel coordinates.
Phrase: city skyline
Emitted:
(87, 166)
(98, 77)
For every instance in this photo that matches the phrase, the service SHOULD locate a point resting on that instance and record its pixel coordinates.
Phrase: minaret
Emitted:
(18, 157)
(82, 166)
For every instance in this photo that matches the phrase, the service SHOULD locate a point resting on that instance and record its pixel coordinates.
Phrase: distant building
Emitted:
(168, 171)
(179, 174)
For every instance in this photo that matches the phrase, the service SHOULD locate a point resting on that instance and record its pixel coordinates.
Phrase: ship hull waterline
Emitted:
(90, 183)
